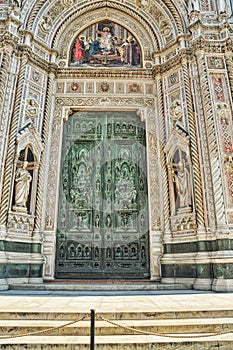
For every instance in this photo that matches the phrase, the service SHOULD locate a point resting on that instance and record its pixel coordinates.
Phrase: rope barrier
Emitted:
(7, 336)
(206, 335)
(162, 334)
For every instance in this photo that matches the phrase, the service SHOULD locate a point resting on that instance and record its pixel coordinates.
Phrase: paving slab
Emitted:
(53, 302)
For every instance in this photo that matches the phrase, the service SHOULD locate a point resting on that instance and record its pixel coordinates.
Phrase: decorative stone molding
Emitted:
(28, 136)
(105, 101)
(20, 222)
(161, 14)
(119, 74)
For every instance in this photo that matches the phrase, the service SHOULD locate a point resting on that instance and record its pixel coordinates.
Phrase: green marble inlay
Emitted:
(224, 271)
(20, 270)
(20, 247)
(181, 271)
(200, 246)
(2, 246)
(3, 270)
(204, 270)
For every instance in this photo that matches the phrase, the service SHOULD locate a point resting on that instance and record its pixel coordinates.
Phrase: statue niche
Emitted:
(181, 183)
(23, 180)
(22, 186)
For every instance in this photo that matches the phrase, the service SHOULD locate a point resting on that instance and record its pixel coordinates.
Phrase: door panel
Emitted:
(103, 208)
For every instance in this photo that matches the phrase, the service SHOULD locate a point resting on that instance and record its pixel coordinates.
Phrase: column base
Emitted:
(222, 285)
(3, 284)
(202, 284)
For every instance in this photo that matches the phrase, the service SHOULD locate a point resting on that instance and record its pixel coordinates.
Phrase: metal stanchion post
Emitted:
(92, 344)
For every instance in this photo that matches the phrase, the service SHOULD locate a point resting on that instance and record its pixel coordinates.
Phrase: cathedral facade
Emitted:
(116, 141)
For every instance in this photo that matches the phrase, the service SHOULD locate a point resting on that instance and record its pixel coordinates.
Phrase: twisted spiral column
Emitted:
(212, 142)
(229, 63)
(162, 142)
(9, 164)
(4, 71)
(209, 205)
(44, 137)
(4, 99)
(194, 147)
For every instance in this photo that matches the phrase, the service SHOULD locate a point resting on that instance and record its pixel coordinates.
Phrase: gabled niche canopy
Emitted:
(105, 44)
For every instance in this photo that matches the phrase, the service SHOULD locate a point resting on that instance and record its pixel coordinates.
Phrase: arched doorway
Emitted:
(103, 206)
(104, 86)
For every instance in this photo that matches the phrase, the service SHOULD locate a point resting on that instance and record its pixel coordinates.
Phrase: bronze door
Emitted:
(103, 206)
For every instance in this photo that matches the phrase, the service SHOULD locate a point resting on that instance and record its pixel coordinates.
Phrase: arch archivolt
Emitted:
(157, 25)
(143, 34)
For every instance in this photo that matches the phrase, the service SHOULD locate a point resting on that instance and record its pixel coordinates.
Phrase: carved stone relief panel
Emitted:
(60, 87)
(120, 88)
(74, 87)
(153, 154)
(89, 88)
(224, 127)
(215, 62)
(51, 198)
(223, 133)
(33, 100)
(173, 79)
(150, 89)
(174, 107)
(205, 5)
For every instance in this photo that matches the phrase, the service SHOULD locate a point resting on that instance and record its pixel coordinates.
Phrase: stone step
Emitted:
(124, 315)
(132, 286)
(143, 342)
(82, 328)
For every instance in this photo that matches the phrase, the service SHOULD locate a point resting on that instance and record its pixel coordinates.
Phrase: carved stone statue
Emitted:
(32, 109)
(46, 24)
(17, 4)
(22, 186)
(67, 3)
(182, 185)
(108, 221)
(176, 111)
(194, 6)
(222, 6)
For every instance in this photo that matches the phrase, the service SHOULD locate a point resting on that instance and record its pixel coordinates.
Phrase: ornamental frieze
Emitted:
(70, 73)
(105, 100)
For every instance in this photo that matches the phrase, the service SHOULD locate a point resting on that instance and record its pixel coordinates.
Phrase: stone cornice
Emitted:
(209, 24)
(173, 62)
(212, 46)
(80, 73)
(37, 43)
(8, 40)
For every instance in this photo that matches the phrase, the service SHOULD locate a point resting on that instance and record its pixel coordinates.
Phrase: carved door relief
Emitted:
(103, 205)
